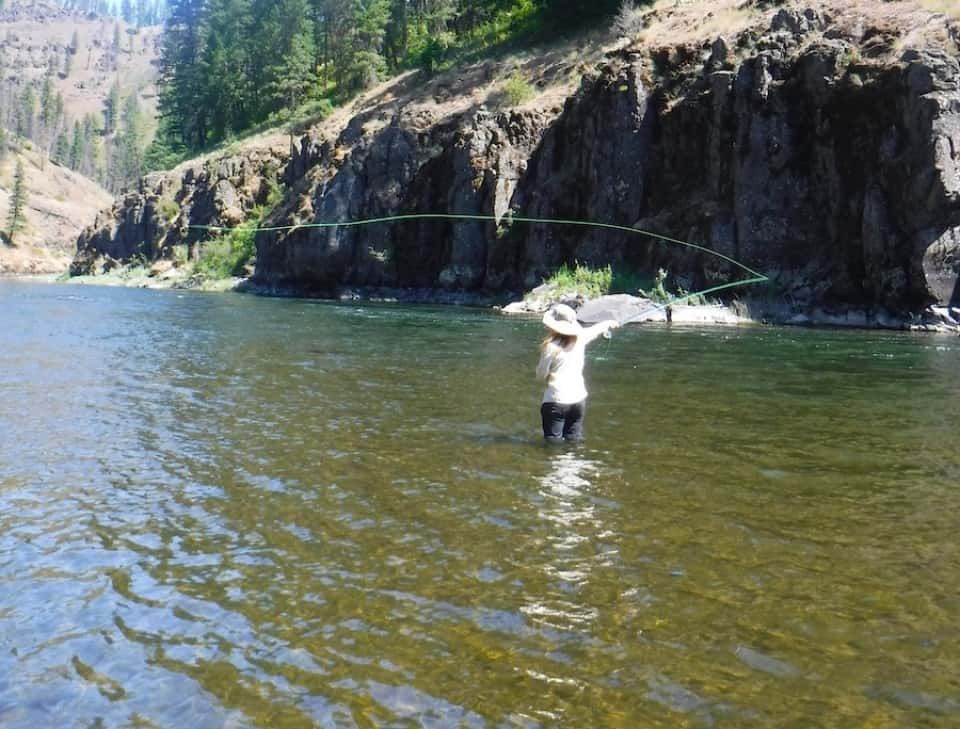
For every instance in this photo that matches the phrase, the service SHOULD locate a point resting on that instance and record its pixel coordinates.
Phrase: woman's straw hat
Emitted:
(563, 320)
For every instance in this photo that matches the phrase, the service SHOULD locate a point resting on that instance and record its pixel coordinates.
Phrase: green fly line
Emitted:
(756, 276)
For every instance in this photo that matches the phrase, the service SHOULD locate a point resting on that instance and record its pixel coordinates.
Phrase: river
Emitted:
(228, 511)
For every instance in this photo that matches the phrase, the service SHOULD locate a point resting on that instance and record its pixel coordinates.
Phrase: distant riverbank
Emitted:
(623, 307)
(35, 277)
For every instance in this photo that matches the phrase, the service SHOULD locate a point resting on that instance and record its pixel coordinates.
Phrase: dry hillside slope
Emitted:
(60, 203)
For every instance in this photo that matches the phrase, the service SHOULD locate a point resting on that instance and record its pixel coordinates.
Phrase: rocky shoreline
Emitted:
(622, 307)
(636, 309)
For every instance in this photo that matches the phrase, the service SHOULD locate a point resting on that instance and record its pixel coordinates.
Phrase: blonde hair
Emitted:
(564, 341)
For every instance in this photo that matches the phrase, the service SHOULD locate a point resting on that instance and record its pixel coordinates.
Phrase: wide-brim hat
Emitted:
(562, 319)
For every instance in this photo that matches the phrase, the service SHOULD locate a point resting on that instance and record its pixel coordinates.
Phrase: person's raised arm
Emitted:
(598, 330)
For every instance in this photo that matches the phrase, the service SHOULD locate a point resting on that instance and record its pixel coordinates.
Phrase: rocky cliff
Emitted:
(154, 222)
(818, 144)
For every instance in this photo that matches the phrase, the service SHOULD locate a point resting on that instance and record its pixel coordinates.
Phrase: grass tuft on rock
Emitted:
(583, 280)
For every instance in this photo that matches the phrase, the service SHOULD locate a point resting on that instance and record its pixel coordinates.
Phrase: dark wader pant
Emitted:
(563, 422)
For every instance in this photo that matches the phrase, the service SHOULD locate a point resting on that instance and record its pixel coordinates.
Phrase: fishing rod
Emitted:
(680, 299)
(509, 219)
(687, 297)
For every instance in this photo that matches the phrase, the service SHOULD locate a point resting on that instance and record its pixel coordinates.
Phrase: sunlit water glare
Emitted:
(223, 511)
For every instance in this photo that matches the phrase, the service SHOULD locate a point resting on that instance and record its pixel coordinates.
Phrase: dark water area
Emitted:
(224, 511)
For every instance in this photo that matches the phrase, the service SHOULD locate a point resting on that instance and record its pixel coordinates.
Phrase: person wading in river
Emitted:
(561, 363)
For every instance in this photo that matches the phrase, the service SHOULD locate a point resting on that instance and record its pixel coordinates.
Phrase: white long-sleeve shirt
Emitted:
(563, 368)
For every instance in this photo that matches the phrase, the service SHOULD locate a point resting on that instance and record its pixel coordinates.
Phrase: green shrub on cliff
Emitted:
(516, 90)
(658, 291)
(169, 210)
(594, 282)
(228, 253)
(582, 280)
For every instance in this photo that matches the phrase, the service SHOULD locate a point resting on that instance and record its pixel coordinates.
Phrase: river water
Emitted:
(225, 511)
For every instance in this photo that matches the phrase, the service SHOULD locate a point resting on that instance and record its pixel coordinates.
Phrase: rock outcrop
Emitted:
(151, 222)
(838, 177)
(469, 165)
(828, 160)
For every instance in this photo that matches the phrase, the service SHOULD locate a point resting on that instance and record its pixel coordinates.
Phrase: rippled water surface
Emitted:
(223, 511)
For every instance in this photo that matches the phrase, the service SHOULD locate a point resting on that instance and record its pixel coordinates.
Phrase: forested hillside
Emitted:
(77, 107)
(78, 85)
(229, 65)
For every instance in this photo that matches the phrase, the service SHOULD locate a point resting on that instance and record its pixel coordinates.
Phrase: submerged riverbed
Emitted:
(224, 511)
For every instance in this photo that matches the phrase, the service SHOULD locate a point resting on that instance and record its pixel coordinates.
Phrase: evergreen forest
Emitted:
(228, 66)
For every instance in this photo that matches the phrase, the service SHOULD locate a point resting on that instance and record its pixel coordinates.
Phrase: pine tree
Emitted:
(126, 155)
(46, 102)
(91, 165)
(226, 59)
(61, 151)
(111, 110)
(57, 110)
(4, 111)
(229, 64)
(166, 150)
(183, 92)
(366, 64)
(26, 113)
(290, 69)
(396, 42)
(18, 200)
(76, 148)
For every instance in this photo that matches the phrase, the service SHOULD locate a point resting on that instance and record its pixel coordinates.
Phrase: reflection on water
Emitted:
(220, 511)
(566, 503)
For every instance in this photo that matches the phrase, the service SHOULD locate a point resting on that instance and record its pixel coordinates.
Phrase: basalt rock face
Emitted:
(838, 179)
(468, 164)
(802, 152)
(148, 223)
(842, 183)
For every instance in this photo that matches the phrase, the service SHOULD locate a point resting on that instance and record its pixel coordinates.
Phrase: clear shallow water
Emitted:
(223, 511)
